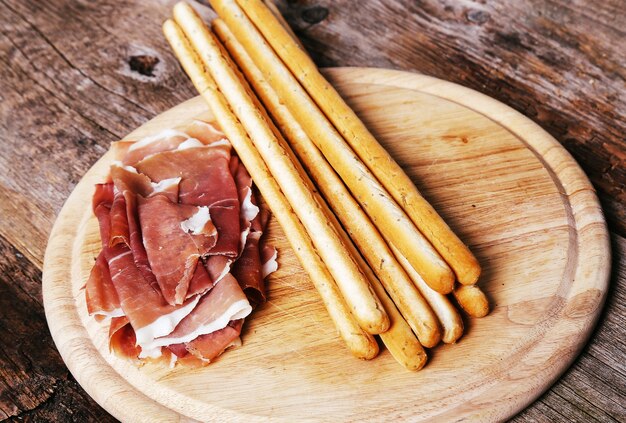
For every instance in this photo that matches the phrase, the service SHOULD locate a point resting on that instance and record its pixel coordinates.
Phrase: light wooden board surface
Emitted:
(503, 184)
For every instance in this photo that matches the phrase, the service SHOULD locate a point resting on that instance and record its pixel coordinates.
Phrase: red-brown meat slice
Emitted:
(140, 257)
(227, 222)
(166, 140)
(210, 346)
(172, 253)
(223, 303)
(248, 271)
(100, 294)
(119, 221)
(206, 179)
(201, 282)
(122, 339)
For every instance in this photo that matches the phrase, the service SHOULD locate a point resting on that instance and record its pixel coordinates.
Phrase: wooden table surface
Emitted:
(76, 75)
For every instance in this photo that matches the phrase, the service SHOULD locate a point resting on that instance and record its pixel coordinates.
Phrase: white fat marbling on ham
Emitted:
(244, 239)
(225, 271)
(118, 312)
(237, 310)
(173, 360)
(164, 185)
(167, 133)
(271, 265)
(118, 257)
(248, 209)
(118, 163)
(225, 302)
(153, 353)
(195, 224)
(164, 325)
(190, 143)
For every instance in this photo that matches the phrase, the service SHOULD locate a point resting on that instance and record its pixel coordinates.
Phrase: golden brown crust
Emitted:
(382, 165)
(448, 315)
(360, 343)
(401, 289)
(364, 305)
(472, 300)
(382, 209)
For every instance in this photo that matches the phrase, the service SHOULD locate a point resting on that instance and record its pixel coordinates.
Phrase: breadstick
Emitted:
(279, 17)
(349, 277)
(360, 343)
(401, 289)
(382, 165)
(399, 338)
(371, 195)
(448, 315)
(472, 300)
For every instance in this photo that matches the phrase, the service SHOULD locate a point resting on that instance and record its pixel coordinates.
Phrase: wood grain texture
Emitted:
(68, 88)
(510, 191)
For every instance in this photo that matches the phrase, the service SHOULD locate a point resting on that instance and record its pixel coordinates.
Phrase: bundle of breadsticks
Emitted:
(381, 258)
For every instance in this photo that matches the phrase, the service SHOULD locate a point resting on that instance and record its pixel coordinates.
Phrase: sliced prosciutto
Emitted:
(208, 347)
(182, 261)
(225, 302)
(102, 299)
(172, 252)
(204, 173)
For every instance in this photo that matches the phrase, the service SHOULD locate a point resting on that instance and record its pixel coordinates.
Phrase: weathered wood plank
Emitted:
(34, 382)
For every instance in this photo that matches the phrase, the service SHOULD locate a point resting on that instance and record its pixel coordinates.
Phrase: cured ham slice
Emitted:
(171, 251)
(146, 309)
(248, 270)
(205, 181)
(140, 256)
(269, 261)
(126, 179)
(225, 302)
(200, 282)
(204, 173)
(102, 299)
(207, 133)
(218, 267)
(122, 338)
(148, 312)
(119, 221)
(168, 139)
(208, 347)
(181, 258)
(227, 222)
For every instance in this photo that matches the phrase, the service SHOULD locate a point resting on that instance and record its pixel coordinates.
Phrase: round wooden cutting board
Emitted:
(508, 189)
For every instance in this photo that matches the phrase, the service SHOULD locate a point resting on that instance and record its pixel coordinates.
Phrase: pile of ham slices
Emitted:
(182, 261)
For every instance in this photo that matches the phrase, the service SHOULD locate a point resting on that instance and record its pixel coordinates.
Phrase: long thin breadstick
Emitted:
(272, 7)
(349, 277)
(472, 300)
(450, 319)
(360, 343)
(371, 195)
(382, 165)
(399, 338)
(401, 289)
